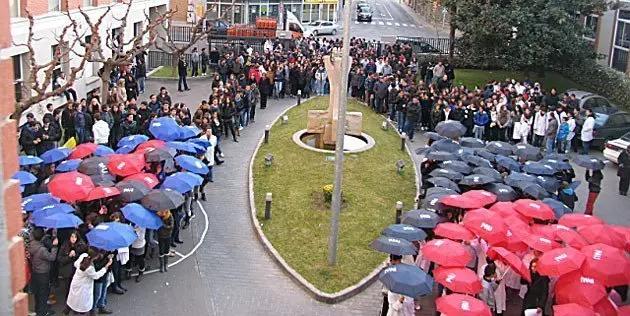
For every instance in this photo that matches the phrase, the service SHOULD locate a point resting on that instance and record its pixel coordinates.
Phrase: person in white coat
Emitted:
(587, 131)
(81, 293)
(400, 305)
(208, 158)
(100, 130)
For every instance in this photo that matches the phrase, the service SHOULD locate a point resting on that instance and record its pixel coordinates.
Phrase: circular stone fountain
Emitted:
(351, 143)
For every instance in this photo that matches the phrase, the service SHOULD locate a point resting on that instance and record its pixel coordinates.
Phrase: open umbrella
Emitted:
(456, 165)
(111, 236)
(444, 182)
(29, 160)
(464, 151)
(203, 142)
(432, 201)
(572, 309)
(604, 234)
(453, 231)
(508, 163)
(102, 150)
(159, 154)
(394, 246)
(439, 190)
(142, 217)
(186, 132)
(560, 261)
(483, 196)
(447, 173)
(35, 201)
(148, 179)
(538, 168)
(162, 199)
(486, 154)
(24, 177)
(55, 154)
(433, 136)
(514, 236)
(550, 184)
(557, 164)
(420, 218)
(440, 155)
(446, 253)
(103, 180)
(68, 165)
(123, 150)
(527, 152)
(486, 225)
(547, 231)
(579, 219)
(477, 161)
(126, 165)
(132, 141)
(577, 288)
(187, 147)
(461, 201)
(540, 243)
(515, 178)
(101, 193)
(570, 237)
(94, 165)
(164, 128)
(182, 182)
(505, 209)
(533, 190)
(406, 280)
(460, 304)
(51, 209)
(490, 172)
(500, 148)
(504, 193)
(404, 231)
(58, 220)
(70, 186)
(192, 164)
(154, 143)
(472, 142)
(476, 180)
(608, 265)
(558, 207)
(83, 150)
(131, 191)
(450, 129)
(459, 280)
(515, 263)
(589, 162)
(447, 145)
(534, 209)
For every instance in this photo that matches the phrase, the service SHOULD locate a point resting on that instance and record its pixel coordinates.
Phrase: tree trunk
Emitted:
(174, 63)
(105, 78)
(451, 35)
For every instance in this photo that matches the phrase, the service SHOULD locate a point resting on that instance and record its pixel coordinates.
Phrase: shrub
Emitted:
(328, 191)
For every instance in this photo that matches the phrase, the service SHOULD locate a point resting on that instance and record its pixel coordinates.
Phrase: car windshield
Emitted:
(314, 23)
(626, 137)
(365, 9)
(600, 119)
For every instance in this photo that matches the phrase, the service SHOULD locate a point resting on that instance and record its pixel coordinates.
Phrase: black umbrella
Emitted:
(423, 150)
(408, 280)
(131, 191)
(527, 152)
(557, 156)
(446, 145)
(558, 207)
(538, 168)
(557, 164)
(514, 178)
(456, 165)
(447, 173)
(404, 231)
(477, 161)
(472, 142)
(504, 192)
(589, 162)
(160, 154)
(445, 183)
(476, 179)
(432, 201)
(439, 190)
(551, 184)
(496, 175)
(508, 163)
(486, 154)
(440, 155)
(421, 218)
(450, 129)
(533, 189)
(103, 180)
(433, 136)
(93, 166)
(394, 246)
(464, 151)
(500, 148)
(162, 199)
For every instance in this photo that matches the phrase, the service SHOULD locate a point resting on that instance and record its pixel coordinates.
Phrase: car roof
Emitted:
(579, 94)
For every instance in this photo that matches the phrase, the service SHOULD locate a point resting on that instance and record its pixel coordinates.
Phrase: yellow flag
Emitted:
(71, 143)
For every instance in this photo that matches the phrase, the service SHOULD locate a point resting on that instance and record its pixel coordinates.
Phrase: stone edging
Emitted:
(370, 144)
(330, 298)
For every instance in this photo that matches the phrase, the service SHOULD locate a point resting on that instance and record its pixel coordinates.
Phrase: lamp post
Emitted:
(399, 207)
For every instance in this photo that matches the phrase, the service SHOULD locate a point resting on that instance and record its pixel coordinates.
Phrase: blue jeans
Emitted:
(244, 115)
(400, 120)
(550, 145)
(82, 135)
(587, 147)
(320, 86)
(141, 85)
(479, 131)
(100, 295)
(278, 85)
(409, 128)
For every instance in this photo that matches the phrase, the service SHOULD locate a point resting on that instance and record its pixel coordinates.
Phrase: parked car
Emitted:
(361, 3)
(364, 13)
(590, 100)
(418, 45)
(218, 27)
(614, 147)
(609, 126)
(322, 27)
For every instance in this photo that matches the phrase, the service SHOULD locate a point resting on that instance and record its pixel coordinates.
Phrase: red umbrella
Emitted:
(579, 219)
(576, 288)
(126, 165)
(599, 233)
(70, 186)
(500, 253)
(83, 151)
(605, 307)
(460, 280)
(506, 209)
(607, 264)
(460, 201)
(541, 243)
(486, 225)
(560, 261)
(515, 222)
(101, 193)
(154, 143)
(453, 231)
(623, 311)
(547, 231)
(570, 237)
(534, 209)
(460, 304)
(572, 309)
(150, 180)
(446, 253)
(514, 237)
(624, 231)
(481, 195)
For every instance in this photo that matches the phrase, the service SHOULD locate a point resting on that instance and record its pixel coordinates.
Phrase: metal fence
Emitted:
(431, 45)
(239, 44)
(158, 58)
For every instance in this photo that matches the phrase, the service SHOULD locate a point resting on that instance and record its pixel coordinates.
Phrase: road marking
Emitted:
(373, 23)
(381, 23)
(404, 24)
(179, 254)
(389, 13)
(356, 22)
(413, 25)
(389, 23)
(397, 24)
(364, 22)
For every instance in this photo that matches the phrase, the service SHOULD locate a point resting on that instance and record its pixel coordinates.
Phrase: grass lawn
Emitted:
(473, 77)
(166, 72)
(371, 185)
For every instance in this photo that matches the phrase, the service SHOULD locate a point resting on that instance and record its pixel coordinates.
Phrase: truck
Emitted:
(270, 28)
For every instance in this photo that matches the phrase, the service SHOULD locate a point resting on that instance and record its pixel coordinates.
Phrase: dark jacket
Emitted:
(182, 68)
(623, 169)
(141, 70)
(41, 257)
(129, 128)
(594, 180)
(66, 264)
(164, 98)
(167, 228)
(380, 89)
(27, 138)
(537, 292)
(413, 111)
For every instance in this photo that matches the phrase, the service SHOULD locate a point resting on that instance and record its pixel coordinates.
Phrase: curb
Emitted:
(330, 298)
(170, 79)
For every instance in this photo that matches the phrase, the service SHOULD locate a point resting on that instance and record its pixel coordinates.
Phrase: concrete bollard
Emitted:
(403, 138)
(267, 129)
(268, 198)
(299, 96)
(399, 207)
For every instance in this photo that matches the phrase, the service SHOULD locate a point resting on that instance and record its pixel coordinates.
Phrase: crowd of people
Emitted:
(388, 78)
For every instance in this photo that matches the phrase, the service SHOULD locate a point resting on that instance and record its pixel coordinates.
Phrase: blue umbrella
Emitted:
(558, 207)
(446, 145)
(477, 161)
(103, 150)
(192, 164)
(201, 142)
(30, 160)
(55, 154)
(187, 147)
(464, 151)
(551, 184)
(508, 163)
(558, 164)
(164, 128)
(24, 177)
(514, 178)
(111, 236)
(421, 218)
(538, 168)
(142, 217)
(58, 220)
(485, 153)
(182, 181)
(55, 208)
(394, 246)
(68, 165)
(125, 149)
(406, 280)
(132, 140)
(188, 132)
(406, 232)
(36, 201)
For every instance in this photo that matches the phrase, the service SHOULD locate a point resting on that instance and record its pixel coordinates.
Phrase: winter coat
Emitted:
(481, 118)
(167, 228)
(27, 138)
(594, 180)
(540, 125)
(413, 111)
(182, 68)
(66, 263)
(81, 292)
(41, 257)
(563, 132)
(537, 292)
(552, 128)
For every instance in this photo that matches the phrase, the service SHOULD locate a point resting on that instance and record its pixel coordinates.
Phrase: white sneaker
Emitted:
(240, 128)
(221, 155)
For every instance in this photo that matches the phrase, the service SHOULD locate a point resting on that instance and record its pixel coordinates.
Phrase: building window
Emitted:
(590, 26)
(624, 14)
(137, 29)
(18, 77)
(620, 60)
(87, 3)
(622, 38)
(54, 5)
